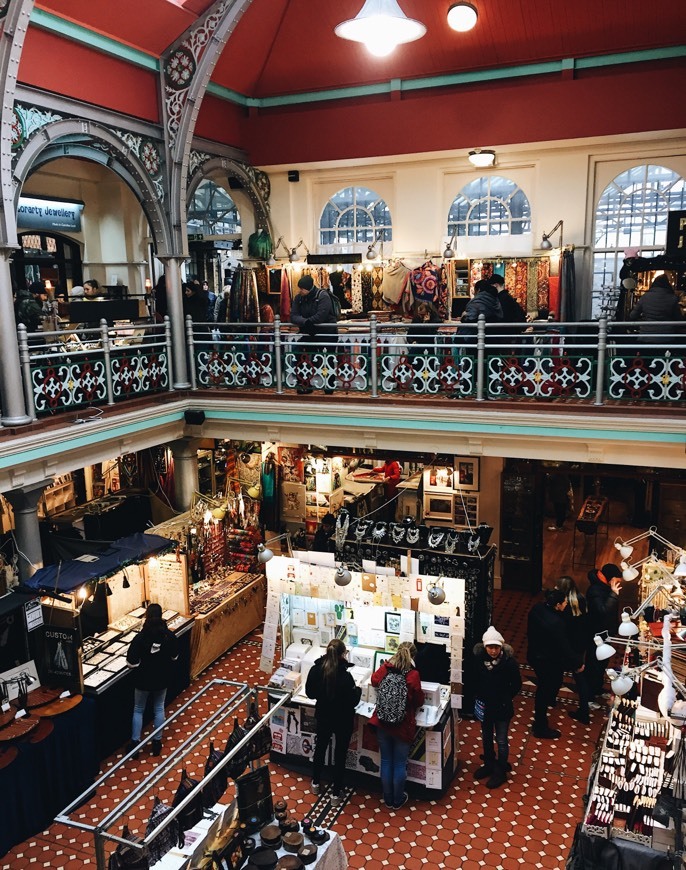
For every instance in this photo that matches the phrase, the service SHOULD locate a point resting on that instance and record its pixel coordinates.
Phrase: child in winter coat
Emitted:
(497, 681)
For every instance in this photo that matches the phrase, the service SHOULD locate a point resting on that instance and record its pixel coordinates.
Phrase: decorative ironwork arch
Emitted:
(254, 183)
(93, 141)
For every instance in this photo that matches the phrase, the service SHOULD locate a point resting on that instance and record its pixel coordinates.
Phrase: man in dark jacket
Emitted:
(28, 310)
(656, 305)
(485, 301)
(496, 682)
(312, 311)
(512, 310)
(549, 654)
(602, 600)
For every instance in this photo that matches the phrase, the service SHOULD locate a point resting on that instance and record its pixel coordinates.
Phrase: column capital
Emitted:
(26, 498)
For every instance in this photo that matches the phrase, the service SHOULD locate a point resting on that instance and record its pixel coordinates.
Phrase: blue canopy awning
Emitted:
(67, 576)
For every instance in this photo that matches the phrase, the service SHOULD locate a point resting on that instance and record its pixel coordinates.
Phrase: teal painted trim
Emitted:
(482, 75)
(228, 95)
(631, 57)
(446, 426)
(332, 94)
(86, 440)
(86, 36)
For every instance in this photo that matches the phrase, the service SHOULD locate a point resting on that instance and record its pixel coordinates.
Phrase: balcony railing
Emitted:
(589, 363)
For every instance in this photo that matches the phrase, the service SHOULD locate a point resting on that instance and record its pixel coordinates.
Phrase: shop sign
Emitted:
(61, 656)
(676, 233)
(49, 214)
(196, 237)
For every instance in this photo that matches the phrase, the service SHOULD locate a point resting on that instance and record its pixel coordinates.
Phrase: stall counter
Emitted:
(219, 629)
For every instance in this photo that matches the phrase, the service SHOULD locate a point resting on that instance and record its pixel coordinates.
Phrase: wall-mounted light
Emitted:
(482, 157)
(449, 252)
(264, 554)
(381, 26)
(294, 256)
(462, 17)
(342, 576)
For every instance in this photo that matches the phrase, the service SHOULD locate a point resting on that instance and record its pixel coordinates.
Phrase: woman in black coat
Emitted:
(496, 681)
(336, 694)
(657, 304)
(580, 637)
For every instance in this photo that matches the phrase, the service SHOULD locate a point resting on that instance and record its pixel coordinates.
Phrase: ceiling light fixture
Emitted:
(462, 17)
(381, 26)
(482, 157)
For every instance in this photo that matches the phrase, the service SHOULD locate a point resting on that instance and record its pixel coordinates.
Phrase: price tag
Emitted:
(20, 714)
(5, 706)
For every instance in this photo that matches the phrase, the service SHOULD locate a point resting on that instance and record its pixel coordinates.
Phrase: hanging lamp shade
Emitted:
(381, 26)
(622, 684)
(603, 650)
(625, 550)
(627, 628)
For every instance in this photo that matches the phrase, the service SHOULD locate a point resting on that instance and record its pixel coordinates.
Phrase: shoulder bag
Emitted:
(239, 761)
(126, 858)
(216, 787)
(261, 742)
(193, 811)
(166, 839)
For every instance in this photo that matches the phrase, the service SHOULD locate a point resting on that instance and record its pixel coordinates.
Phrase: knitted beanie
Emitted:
(492, 637)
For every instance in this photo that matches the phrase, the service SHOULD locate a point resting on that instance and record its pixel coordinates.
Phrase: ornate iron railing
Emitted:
(592, 362)
(93, 366)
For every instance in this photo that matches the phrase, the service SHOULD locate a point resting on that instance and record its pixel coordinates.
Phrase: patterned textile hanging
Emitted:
(543, 275)
(356, 291)
(475, 268)
(425, 282)
(285, 307)
(395, 286)
(377, 294)
(262, 278)
(367, 297)
(442, 293)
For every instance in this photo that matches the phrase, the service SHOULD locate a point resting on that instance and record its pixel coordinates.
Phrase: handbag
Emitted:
(239, 761)
(254, 798)
(167, 838)
(479, 710)
(261, 742)
(216, 787)
(125, 858)
(193, 811)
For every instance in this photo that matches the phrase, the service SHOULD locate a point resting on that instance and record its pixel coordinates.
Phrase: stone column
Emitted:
(172, 275)
(24, 503)
(185, 472)
(11, 389)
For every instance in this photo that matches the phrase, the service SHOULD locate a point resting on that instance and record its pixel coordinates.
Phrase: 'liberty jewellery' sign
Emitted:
(48, 214)
(676, 233)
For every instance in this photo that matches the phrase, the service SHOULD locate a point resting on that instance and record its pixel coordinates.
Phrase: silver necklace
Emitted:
(341, 531)
(361, 529)
(397, 533)
(435, 538)
(451, 542)
(379, 531)
(412, 535)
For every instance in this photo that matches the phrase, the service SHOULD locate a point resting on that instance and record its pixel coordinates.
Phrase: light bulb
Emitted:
(153, 561)
(82, 593)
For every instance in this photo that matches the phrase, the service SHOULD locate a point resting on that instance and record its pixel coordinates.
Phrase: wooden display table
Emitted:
(219, 629)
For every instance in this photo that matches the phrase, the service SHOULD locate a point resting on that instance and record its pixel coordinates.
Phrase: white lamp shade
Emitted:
(462, 17)
(482, 158)
(622, 684)
(381, 26)
(629, 573)
(627, 628)
(603, 650)
(264, 554)
(625, 550)
(680, 570)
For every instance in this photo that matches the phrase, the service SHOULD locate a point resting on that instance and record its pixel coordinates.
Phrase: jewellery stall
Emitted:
(211, 574)
(372, 612)
(92, 608)
(638, 783)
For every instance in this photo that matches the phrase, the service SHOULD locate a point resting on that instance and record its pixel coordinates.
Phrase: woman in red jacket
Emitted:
(395, 737)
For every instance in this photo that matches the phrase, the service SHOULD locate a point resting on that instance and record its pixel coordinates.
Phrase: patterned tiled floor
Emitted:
(528, 823)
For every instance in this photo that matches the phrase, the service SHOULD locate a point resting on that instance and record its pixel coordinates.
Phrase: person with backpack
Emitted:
(496, 681)
(313, 312)
(398, 697)
(332, 687)
(151, 655)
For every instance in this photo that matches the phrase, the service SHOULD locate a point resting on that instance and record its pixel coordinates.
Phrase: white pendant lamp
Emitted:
(381, 26)
(622, 684)
(462, 17)
(603, 650)
(625, 550)
(627, 628)
(629, 573)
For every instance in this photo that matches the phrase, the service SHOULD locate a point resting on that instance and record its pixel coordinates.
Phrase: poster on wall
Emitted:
(293, 501)
(60, 660)
(292, 466)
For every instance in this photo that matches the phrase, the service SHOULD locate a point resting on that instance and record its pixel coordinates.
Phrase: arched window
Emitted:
(490, 206)
(631, 213)
(355, 216)
(211, 211)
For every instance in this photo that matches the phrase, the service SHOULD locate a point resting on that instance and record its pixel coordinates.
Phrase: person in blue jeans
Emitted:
(151, 655)
(395, 740)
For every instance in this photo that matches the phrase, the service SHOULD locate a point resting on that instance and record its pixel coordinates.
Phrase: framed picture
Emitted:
(292, 500)
(438, 506)
(392, 623)
(438, 478)
(466, 510)
(466, 473)
(392, 641)
(381, 656)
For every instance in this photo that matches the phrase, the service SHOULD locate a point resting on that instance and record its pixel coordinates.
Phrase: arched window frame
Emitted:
(340, 227)
(631, 213)
(469, 211)
(203, 202)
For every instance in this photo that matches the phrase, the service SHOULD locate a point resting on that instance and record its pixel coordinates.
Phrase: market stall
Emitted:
(372, 612)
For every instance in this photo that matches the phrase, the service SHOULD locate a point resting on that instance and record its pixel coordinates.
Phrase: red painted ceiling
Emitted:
(288, 46)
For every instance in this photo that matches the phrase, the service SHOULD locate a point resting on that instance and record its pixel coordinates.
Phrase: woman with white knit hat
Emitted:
(497, 682)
